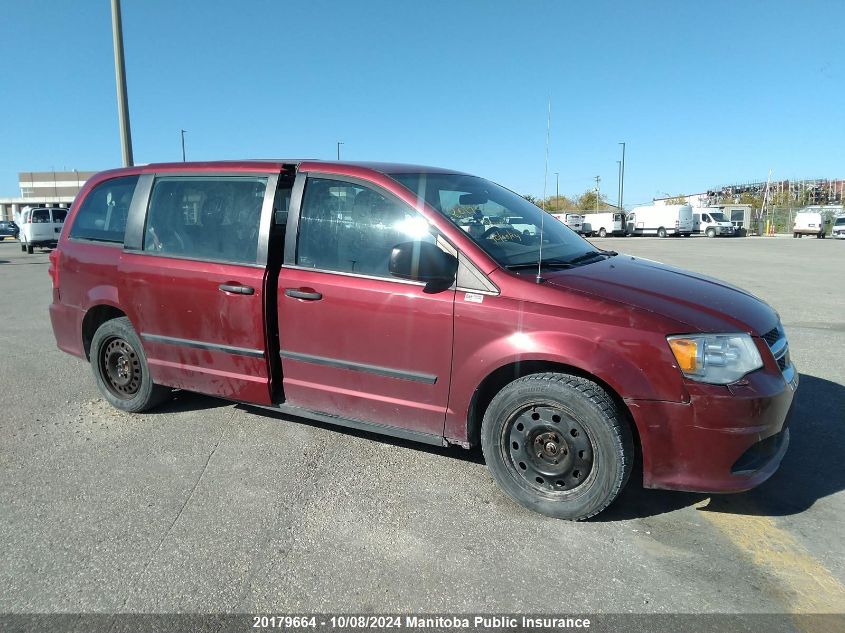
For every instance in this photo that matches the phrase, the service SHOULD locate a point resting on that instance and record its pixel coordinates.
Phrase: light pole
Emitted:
(622, 189)
(622, 178)
(619, 184)
(120, 79)
(183, 144)
(339, 143)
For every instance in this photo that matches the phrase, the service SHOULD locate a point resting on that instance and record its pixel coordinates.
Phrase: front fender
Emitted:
(634, 362)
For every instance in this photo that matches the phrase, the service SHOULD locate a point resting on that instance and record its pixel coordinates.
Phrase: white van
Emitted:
(605, 224)
(712, 223)
(808, 223)
(40, 227)
(839, 228)
(660, 220)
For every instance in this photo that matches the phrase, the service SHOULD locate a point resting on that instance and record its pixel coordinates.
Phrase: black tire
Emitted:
(711, 233)
(121, 370)
(23, 247)
(602, 232)
(29, 249)
(661, 232)
(794, 235)
(585, 448)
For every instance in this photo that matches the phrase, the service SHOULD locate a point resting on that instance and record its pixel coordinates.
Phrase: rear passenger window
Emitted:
(209, 218)
(102, 216)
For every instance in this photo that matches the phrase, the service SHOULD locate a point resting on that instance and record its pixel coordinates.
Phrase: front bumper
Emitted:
(839, 235)
(725, 439)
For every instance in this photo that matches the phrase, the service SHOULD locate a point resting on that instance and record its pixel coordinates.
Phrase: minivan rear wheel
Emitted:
(121, 370)
(558, 445)
(661, 232)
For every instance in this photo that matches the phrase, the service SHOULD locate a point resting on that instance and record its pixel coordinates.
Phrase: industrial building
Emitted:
(44, 189)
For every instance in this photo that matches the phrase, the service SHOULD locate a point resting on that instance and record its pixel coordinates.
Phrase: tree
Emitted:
(587, 201)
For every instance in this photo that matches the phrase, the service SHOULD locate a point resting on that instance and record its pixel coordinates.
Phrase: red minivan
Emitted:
(399, 299)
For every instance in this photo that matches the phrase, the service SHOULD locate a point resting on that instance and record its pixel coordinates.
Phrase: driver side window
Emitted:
(347, 227)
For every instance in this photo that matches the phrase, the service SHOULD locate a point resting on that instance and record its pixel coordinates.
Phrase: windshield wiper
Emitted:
(583, 257)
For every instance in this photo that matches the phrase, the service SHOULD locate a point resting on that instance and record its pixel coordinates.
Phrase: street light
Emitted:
(619, 184)
(183, 144)
(120, 80)
(339, 143)
(622, 177)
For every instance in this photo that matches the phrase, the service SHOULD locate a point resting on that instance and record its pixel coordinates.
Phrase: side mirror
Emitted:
(423, 261)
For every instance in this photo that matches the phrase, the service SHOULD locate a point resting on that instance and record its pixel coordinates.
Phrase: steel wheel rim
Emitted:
(120, 368)
(548, 450)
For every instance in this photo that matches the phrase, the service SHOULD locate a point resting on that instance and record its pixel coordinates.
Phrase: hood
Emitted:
(701, 303)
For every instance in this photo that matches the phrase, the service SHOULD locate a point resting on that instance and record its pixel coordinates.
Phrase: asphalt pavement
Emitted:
(209, 506)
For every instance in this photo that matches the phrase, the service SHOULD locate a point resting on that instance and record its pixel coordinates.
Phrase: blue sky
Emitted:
(703, 93)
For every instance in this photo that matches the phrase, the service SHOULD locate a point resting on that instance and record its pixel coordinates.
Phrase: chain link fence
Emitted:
(780, 220)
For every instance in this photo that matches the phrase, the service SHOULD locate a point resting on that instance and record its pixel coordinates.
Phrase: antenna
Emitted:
(539, 279)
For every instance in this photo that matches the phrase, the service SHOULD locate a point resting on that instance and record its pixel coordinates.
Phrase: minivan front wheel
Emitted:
(558, 445)
(121, 370)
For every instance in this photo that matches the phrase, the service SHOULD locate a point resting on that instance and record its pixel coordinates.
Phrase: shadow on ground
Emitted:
(189, 401)
(455, 452)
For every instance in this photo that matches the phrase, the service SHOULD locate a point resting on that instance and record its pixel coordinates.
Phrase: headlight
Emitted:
(719, 359)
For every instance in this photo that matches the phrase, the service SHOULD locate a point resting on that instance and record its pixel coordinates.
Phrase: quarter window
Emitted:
(214, 218)
(102, 216)
(346, 227)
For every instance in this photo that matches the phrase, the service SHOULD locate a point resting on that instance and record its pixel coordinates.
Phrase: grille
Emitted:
(771, 337)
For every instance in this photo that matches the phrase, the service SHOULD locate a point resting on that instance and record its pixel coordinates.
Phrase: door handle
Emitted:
(308, 295)
(237, 289)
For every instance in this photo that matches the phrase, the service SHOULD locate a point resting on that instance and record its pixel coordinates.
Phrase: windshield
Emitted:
(718, 217)
(504, 224)
(839, 222)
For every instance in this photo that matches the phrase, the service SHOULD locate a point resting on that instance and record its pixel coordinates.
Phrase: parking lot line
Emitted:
(803, 584)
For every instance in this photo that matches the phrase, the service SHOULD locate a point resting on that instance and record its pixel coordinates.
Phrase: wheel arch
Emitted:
(502, 376)
(93, 319)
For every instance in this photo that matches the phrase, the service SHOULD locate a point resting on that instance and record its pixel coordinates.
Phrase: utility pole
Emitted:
(120, 79)
(339, 143)
(183, 144)
(598, 180)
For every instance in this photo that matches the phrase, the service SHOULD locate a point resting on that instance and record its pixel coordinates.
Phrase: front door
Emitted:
(194, 289)
(355, 341)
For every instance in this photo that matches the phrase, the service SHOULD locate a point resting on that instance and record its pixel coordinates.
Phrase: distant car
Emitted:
(839, 228)
(8, 229)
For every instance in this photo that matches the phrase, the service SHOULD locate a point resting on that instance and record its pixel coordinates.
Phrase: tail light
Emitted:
(53, 269)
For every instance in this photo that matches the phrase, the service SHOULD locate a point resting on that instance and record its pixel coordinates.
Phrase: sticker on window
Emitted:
(473, 298)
